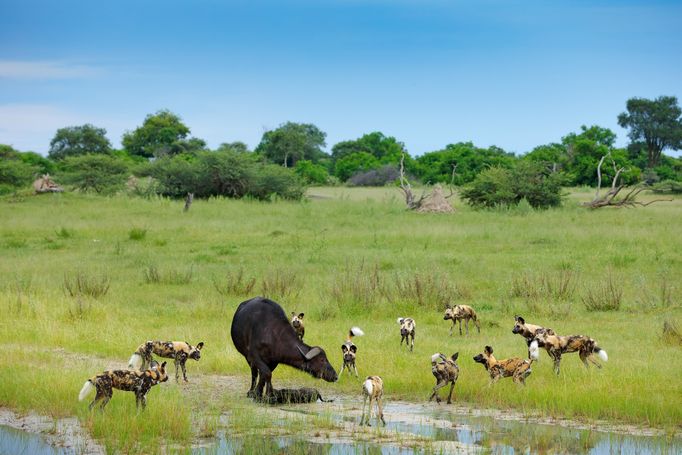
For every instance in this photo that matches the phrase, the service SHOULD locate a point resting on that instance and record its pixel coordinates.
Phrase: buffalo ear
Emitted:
(300, 316)
(488, 350)
(454, 356)
(200, 345)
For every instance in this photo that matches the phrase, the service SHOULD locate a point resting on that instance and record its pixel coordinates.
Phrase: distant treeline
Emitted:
(161, 157)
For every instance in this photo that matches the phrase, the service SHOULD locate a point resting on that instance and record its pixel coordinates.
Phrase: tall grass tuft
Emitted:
(558, 285)
(671, 334)
(64, 233)
(607, 296)
(137, 234)
(659, 298)
(429, 290)
(234, 283)
(281, 284)
(82, 284)
(361, 284)
(152, 275)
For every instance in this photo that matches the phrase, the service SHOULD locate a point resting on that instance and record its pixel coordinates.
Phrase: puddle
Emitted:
(16, 442)
(444, 429)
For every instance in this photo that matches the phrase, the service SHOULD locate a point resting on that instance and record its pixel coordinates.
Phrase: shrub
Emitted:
(137, 234)
(528, 180)
(98, 173)
(281, 284)
(606, 296)
(273, 180)
(354, 163)
(311, 173)
(16, 173)
(667, 186)
(152, 275)
(234, 283)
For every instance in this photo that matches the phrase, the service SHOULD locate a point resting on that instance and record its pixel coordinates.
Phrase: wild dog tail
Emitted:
(437, 357)
(323, 400)
(602, 354)
(368, 387)
(85, 391)
(355, 332)
(534, 351)
(135, 361)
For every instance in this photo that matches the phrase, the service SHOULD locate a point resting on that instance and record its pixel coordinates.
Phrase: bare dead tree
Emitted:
(405, 186)
(452, 182)
(611, 199)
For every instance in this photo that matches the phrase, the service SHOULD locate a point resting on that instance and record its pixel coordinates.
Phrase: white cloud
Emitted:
(17, 69)
(32, 126)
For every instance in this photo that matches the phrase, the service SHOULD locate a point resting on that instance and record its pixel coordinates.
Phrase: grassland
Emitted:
(344, 257)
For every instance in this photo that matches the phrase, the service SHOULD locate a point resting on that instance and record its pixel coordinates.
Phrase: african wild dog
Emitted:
(349, 351)
(373, 388)
(445, 370)
(460, 312)
(529, 331)
(179, 351)
(407, 326)
(131, 380)
(557, 345)
(297, 324)
(517, 368)
(295, 396)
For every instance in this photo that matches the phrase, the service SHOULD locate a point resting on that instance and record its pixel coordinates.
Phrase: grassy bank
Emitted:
(345, 257)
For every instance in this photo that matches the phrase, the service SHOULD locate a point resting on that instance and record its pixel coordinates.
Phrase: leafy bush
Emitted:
(16, 173)
(98, 173)
(507, 187)
(273, 180)
(354, 163)
(667, 186)
(311, 173)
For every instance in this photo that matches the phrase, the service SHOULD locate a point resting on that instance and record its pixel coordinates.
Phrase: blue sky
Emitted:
(510, 73)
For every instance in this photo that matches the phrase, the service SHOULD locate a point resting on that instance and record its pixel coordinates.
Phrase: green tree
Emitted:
(94, 172)
(162, 133)
(437, 166)
(292, 142)
(657, 123)
(585, 149)
(356, 162)
(78, 140)
(387, 150)
(311, 173)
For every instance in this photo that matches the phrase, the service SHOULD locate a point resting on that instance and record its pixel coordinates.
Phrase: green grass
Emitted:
(347, 257)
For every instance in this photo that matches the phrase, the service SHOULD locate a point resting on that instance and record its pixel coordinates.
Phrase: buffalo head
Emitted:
(317, 365)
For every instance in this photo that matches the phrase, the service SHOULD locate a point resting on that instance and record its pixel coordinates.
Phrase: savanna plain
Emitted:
(86, 279)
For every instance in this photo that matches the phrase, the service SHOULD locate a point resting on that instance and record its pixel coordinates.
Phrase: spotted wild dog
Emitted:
(179, 351)
(557, 345)
(295, 396)
(407, 326)
(373, 388)
(349, 351)
(529, 331)
(135, 381)
(297, 324)
(516, 368)
(459, 312)
(445, 370)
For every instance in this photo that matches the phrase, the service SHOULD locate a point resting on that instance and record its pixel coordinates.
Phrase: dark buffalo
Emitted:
(262, 333)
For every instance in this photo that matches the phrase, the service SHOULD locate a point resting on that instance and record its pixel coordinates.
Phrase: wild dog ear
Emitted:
(520, 320)
(455, 356)
(400, 320)
(200, 345)
(300, 315)
(488, 350)
(163, 365)
(344, 348)
(293, 314)
(353, 348)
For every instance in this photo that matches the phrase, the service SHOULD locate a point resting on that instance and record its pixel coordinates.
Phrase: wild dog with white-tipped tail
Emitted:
(459, 313)
(297, 324)
(557, 345)
(373, 388)
(407, 329)
(445, 370)
(179, 351)
(516, 368)
(139, 382)
(349, 351)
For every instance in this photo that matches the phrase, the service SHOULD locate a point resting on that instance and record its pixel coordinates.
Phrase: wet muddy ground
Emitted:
(334, 428)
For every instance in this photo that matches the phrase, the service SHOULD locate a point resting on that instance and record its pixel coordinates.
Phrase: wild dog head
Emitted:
(449, 313)
(486, 357)
(195, 351)
(297, 320)
(349, 351)
(406, 326)
(157, 372)
(519, 326)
